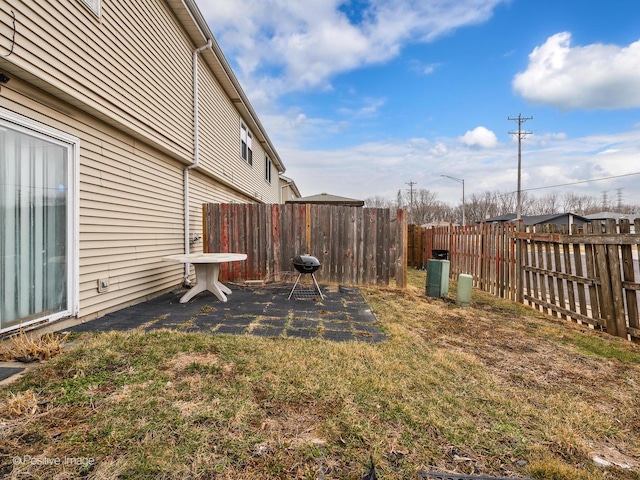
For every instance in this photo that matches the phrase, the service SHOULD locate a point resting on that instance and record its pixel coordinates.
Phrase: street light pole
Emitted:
(459, 180)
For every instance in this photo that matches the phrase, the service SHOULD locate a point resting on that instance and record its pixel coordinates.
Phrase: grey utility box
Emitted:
(437, 278)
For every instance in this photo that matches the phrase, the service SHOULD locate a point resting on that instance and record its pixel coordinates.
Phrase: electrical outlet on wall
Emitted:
(103, 285)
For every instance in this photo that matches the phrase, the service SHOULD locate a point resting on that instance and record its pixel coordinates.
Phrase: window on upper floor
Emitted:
(267, 168)
(246, 141)
(93, 5)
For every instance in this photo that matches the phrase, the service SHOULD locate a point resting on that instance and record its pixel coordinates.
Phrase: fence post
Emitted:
(606, 309)
(613, 257)
(521, 245)
(629, 276)
(402, 254)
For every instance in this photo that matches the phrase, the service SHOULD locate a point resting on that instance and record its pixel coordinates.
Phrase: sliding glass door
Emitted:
(37, 226)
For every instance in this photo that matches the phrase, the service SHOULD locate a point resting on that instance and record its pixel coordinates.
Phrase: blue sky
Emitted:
(361, 97)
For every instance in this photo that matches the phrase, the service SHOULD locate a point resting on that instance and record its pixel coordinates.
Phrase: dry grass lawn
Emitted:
(494, 389)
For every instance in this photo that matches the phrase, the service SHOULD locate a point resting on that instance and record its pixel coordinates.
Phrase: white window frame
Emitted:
(267, 168)
(19, 123)
(246, 144)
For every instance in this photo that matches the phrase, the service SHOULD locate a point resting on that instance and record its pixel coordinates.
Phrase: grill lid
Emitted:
(306, 263)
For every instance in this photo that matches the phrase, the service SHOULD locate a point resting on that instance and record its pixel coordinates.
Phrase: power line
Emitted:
(581, 181)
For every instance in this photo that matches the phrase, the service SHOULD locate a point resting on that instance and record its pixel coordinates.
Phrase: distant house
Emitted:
(603, 216)
(118, 120)
(327, 199)
(507, 217)
(559, 219)
(288, 189)
(438, 224)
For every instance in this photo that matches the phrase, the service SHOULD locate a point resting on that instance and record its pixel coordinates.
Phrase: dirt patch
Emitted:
(294, 428)
(183, 361)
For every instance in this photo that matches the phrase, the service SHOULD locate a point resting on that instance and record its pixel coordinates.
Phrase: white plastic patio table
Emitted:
(207, 267)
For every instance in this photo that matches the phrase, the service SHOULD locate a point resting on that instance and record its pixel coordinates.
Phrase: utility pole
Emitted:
(521, 134)
(411, 184)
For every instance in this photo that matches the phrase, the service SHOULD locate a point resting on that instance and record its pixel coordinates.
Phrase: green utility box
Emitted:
(463, 297)
(437, 278)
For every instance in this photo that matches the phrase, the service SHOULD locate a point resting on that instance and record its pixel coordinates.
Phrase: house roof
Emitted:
(617, 216)
(507, 217)
(535, 219)
(329, 199)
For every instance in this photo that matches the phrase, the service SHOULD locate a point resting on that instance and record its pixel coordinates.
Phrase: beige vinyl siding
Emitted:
(123, 84)
(219, 134)
(133, 65)
(131, 208)
(131, 205)
(219, 123)
(135, 76)
(202, 190)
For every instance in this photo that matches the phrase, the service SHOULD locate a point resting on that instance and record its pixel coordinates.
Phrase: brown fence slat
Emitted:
(617, 293)
(579, 272)
(560, 285)
(628, 271)
(634, 323)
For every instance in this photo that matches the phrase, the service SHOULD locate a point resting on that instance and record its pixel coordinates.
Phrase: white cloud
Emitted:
(422, 68)
(595, 76)
(429, 69)
(480, 137)
(302, 45)
(369, 108)
(438, 149)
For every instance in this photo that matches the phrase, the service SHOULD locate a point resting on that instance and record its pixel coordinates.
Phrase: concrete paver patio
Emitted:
(261, 310)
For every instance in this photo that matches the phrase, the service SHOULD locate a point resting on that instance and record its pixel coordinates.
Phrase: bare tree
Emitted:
(482, 206)
(547, 204)
(399, 200)
(580, 204)
(427, 208)
(424, 202)
(379, 202)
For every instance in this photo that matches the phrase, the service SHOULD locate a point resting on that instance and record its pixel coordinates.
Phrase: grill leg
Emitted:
(294, 286)
(313, 275)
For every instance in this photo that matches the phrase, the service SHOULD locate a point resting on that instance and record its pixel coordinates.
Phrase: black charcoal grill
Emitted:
(306, 265)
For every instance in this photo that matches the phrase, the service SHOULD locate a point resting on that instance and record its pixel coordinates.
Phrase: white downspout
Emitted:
(196, 158)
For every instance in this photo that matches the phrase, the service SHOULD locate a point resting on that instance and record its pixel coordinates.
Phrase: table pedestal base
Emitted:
(207, 279)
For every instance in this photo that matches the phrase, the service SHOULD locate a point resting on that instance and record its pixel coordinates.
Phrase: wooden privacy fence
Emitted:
(591, 277)
(356, 246)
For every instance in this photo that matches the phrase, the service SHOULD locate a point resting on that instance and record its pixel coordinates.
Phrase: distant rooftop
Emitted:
(326, 198)
(539, 219)
(617, 216)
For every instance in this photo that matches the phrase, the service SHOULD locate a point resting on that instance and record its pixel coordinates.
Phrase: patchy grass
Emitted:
(495, 389)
